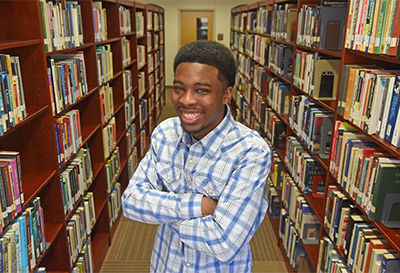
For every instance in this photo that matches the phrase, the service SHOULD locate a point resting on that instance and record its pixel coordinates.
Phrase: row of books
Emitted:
(127, 82)
(141, 59)
(158, 39)
(373, 27)
(62, 26)
(114, 203)
(79, 227)
(277, 93)
(299, 213)
(125, 20)
(281, 59)
(245, 65)
(369, 98)
(104, 59)
(149, 42)
(312, 123)
(131, 138)
(322, 26)
(68, 135)
(362, 248)
(240, 22)
(316, 74)
(141, 83)
(126, 51)
(130, 110)
(23, 241)
(139, 23)
(264, 19)
(283, 22)
(106, 102)
(12, 99)
(84, 262)
(109, 133)
(144, 110)
(150, 62)
(158, 19)
(275, 176)
(132, 161)
(67, 79)
(329, 259)
(367, 173)
(99, 21)
(11, 192)
(76, 177)
(306, 171)
(291, 241)
(113, 167)
(142, 140)
(274, 201)
(275, 129)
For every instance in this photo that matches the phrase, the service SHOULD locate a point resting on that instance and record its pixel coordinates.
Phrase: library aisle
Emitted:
(133, 241)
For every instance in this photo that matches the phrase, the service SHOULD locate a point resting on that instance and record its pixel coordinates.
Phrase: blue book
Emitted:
(390, 263)
(393, 111)
(24, 245)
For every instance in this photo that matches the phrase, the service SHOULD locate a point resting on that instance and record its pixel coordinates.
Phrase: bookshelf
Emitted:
(281, 44)
(98, 38)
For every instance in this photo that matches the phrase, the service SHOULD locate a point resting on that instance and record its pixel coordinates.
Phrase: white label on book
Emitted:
(393, 42)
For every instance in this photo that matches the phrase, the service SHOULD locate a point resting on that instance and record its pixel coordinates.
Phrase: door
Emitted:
(196, 25)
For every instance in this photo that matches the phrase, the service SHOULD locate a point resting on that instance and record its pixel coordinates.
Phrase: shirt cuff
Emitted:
(191, 206)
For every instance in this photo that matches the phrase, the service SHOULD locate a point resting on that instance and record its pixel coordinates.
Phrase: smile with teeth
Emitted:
(190, 115)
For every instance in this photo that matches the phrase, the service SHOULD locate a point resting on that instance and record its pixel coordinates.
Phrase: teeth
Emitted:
(190, 116)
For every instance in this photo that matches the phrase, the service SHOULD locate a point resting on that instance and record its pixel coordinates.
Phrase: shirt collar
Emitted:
(212, 141)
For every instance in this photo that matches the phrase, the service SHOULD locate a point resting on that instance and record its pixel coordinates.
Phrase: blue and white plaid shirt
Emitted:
(230, 165)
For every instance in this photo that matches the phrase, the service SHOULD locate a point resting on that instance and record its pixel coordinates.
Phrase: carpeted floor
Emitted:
(133, 241)
(132, 245)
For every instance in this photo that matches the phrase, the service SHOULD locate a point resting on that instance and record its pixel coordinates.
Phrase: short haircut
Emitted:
(210, 53)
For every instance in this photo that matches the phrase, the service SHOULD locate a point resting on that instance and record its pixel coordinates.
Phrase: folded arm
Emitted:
(238, 213)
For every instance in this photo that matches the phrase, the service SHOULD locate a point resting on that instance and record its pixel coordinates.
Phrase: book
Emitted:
(390, 263)
(374, 245)
(333, 25)
(326, 79)
(387, 190)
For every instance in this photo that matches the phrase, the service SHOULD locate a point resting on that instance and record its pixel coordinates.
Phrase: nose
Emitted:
(188, 98)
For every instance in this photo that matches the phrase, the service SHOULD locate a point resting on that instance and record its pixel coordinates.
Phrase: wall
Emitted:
(222, 19)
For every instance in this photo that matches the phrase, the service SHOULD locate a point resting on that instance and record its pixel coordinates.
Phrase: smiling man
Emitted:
(203, 179)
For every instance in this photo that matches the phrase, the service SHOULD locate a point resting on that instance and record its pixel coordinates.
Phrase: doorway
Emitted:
(196, 25)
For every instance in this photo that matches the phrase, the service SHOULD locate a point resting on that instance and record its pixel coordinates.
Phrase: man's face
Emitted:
(199, 98)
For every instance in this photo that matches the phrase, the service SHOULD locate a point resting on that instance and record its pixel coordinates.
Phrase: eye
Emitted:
(202, 90)
(178, 88)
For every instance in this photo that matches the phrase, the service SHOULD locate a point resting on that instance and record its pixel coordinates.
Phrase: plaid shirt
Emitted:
(230, 165)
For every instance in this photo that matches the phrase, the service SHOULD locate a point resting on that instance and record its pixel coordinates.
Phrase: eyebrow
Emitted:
(196, 84)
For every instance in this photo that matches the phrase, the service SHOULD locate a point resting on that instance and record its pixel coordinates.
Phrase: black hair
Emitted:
(210, 53)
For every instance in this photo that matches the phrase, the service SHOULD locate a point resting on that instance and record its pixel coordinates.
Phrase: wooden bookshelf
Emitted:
(240, 30)
(34, 137)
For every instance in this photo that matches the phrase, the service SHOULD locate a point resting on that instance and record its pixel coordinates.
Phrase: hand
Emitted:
(208, 206)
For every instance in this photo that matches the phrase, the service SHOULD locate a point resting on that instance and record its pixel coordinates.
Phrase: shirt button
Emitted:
(188, 264)
(190, 187)
(211, 192)
(169, 178)
(190, 161)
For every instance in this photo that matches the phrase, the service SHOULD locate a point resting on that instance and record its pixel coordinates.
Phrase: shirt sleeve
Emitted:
(144, 199)
(240, 210)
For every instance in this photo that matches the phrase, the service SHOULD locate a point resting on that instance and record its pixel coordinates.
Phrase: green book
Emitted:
(386, 182)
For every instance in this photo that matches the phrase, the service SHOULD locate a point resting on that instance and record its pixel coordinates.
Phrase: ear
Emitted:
(228, 95)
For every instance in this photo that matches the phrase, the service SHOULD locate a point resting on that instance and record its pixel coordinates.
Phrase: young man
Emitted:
(203, 179)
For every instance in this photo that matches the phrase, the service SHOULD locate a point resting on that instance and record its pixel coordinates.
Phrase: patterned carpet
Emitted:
(133, 243)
